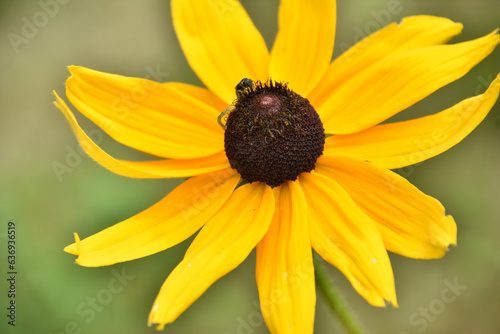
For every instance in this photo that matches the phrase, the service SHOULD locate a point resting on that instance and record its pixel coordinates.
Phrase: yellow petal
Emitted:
(143, 169)
(348, 239)
(399, 81)
(202, 94)
(220, 43)
(285, 272)
(411, 223)
(402, 144)
(170, 221)
(411, 33)
(223, 243)
(303, 47)
(160, 119)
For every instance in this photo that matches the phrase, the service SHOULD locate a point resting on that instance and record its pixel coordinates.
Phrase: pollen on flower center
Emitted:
(272, 134)
(270, 104)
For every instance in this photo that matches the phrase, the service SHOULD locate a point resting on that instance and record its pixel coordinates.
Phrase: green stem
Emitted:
(334, 301)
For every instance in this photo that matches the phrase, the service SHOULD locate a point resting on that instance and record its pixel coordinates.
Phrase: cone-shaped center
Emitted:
(272, 134)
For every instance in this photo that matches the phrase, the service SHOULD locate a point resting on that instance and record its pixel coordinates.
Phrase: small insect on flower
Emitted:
(243, 86)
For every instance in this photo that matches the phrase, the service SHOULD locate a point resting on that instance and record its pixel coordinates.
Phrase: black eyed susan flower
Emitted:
(297, 159)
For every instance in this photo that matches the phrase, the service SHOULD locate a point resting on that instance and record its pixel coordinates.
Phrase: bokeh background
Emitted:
(132, 38)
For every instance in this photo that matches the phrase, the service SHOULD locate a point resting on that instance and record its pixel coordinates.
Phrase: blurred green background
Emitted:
(131, 37)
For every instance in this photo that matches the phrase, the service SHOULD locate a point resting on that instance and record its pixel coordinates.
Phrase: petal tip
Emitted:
(393, 303)
(154, 316)
(452, 225)
(77, 242)
(494, 35)
(58, 100)
(74, 68)
(71, 249)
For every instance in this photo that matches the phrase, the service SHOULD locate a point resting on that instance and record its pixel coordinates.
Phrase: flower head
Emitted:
(262, 174)
(272, 134)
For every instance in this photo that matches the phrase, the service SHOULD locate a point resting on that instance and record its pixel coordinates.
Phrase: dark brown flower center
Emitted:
(272, 134)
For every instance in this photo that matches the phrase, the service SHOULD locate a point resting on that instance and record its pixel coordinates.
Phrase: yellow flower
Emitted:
(344, 202)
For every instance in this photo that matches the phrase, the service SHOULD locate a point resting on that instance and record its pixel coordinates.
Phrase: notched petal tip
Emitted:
(393, 303)
(59, 103)
(77, 238)
(76, 69)
(451, 225)
(153, 319)
(74, 248)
